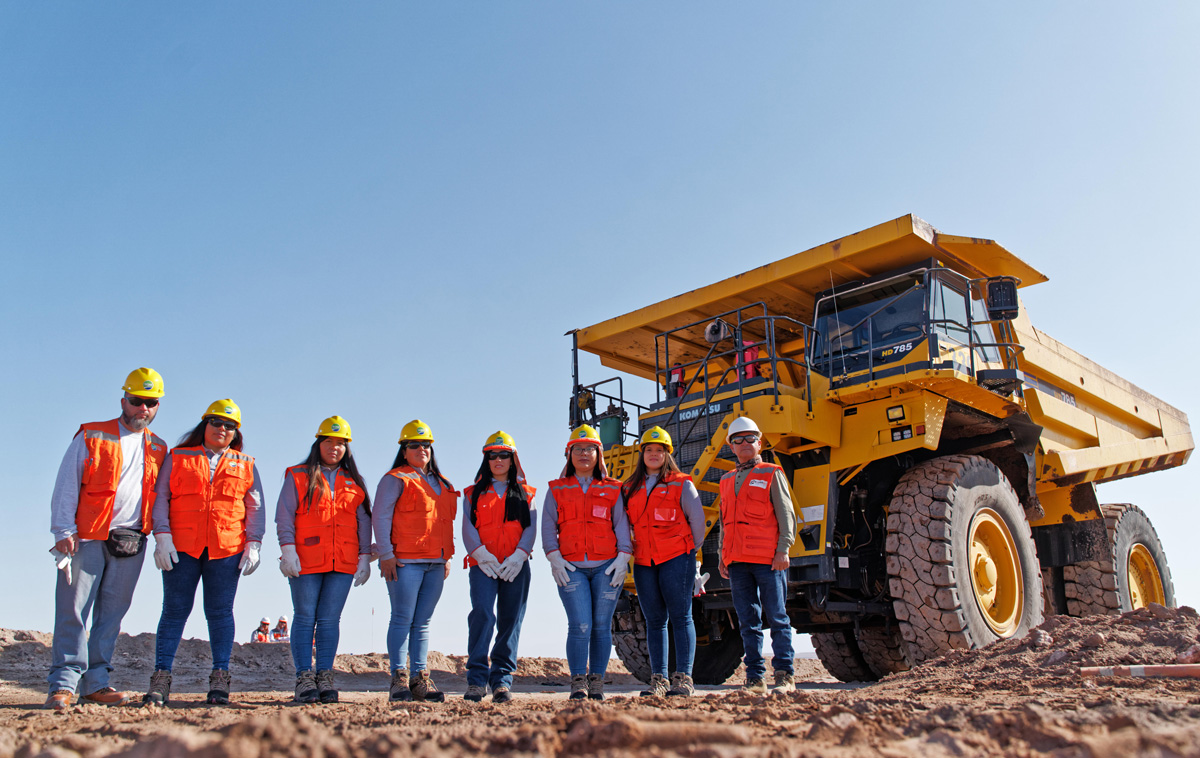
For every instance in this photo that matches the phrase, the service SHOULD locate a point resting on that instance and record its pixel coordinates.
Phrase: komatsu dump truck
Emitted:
(943, 453)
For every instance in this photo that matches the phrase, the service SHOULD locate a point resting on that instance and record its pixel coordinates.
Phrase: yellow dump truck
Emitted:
(943, 453)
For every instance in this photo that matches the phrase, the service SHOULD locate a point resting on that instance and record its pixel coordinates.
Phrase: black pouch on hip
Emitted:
(125, 543)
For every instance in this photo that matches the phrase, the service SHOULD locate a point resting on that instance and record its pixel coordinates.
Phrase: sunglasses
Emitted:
(421, 444)
(222, 424)
(743, 439)
(498, 455)
(138, 402)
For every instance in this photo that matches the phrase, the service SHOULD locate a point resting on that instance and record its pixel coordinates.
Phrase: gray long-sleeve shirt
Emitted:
(550, 525)
(693, 507)
(470, 535)
(289, 501)
(256, 514)
(781, 501)
(384, 505)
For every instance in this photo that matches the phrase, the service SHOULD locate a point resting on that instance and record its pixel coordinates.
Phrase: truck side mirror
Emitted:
(1002, 298)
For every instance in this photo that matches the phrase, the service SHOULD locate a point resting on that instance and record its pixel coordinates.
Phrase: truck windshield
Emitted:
(873, 316)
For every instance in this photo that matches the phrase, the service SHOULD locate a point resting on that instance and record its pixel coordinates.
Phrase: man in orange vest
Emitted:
(100, 516)
(758, 526)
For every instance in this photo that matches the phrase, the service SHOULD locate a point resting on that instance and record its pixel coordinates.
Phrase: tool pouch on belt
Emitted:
(125, 543)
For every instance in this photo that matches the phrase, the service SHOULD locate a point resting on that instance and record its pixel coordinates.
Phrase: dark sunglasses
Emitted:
(498, 455)
(419, 443)
(743, 439)
(222, 424)
(138, 402)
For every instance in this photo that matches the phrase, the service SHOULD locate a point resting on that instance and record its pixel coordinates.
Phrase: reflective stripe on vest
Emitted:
(500, 537)
(748, 523)
(585, 519)
(659, 526)
(102, 474)
(209, 514)
(327, 528)
(422, 521)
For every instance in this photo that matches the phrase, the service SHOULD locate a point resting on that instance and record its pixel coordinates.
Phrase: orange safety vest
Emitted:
(751, 531)
(102, 472)
(659, 526)
(260, 636)
(327, 528)
(585, 519)
(500, 537)
(423, 522)
(209, 514)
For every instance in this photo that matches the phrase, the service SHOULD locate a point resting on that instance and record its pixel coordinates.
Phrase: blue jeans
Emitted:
(220, 577)
(759, 595)
(666, 590)
(509, 600)
(414, 595)
(317, 602)
(589, 602)
(101, 587)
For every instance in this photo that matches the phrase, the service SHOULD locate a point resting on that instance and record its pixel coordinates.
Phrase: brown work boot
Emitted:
(475, 693)
(595, 684)
(326, 689)
(399, 691)
(424, 690)
(785, 681)
(160, 688)
(501, 695)
(59, 700)
(681, 685)
(657, 688)
(218, 687)
(579, 688)
(107, 696)
(757, 686)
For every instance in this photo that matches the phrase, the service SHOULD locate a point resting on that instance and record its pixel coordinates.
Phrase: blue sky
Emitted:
(395, 210)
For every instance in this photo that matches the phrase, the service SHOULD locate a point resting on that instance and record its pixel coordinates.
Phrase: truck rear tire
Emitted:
(884, 650)
(841, 656)
(962, 565)
(715, 661)
(1136, 572)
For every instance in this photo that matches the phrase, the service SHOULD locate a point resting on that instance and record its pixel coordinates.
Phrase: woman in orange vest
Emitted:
(413, 519)
(498, 532)
(208, 525)
(323, 521)
(667, 521)
(586, 538)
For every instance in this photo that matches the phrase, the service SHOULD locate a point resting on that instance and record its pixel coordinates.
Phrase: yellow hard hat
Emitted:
(500, 441)
(144, 382)
(416, 430)
(225, 409)
(658, 436)
(334, 426)
(584, 435)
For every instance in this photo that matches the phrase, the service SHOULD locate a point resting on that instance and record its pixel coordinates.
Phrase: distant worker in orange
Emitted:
(280, 632)
(262, 633)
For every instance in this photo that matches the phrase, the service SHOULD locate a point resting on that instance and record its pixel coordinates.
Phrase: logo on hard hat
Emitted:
(336, 428)
(654, 435)
(229, 409)
(499, 440)
(421, 430)
(582, 434)
(147, 385)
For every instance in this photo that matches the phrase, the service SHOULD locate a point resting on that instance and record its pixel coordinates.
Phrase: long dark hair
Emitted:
(195, 438)
(312, 466)
(516, 504)
(433, 467)
(634, 482)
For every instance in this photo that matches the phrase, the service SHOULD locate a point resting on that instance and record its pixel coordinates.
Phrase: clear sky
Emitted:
(395, 210)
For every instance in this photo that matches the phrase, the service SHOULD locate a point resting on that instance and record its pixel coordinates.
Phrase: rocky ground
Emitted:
(1021, 697)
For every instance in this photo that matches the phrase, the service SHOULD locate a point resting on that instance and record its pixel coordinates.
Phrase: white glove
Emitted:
(165, 556)
(618, 569)
(512, 565)
(249, 558)
(559, 567)
(488, 563)
(699, 582)
(289, 562)
(363, 573)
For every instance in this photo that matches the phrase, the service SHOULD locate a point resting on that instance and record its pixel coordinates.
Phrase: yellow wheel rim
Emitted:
(996, 573)
(1145, 583)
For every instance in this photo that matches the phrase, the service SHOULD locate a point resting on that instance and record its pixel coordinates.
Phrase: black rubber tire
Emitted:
(929, 522)
(884, 649)
(840, 655)
(715, 660)
(1102, 587)
(629, 640)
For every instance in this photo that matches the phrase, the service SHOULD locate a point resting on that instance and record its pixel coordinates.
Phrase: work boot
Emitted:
(107, 696)
(306, 687)
(657, 688)
(326, 690)
(595, 686)
(785, 681)
(399, 691)
(756, 686)
(501, 695)
(681, 685)
(218, 687)
(579, 688)
(160, 688)
(475, 693)
(424, 690)
(59, 700)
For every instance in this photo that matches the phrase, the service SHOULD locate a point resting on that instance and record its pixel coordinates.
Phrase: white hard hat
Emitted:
(742, 424)
(265, 620)
(283, 619)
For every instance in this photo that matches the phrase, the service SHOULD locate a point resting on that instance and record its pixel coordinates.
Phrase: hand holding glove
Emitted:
(165, 556)
(512, 565)
(289, 562)
(618, 569)
(488, 563)
(249, 560)
(559, 567)
(699, 582)
(363, 572)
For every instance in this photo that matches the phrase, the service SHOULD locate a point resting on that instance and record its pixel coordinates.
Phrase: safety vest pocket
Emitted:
(666, 515)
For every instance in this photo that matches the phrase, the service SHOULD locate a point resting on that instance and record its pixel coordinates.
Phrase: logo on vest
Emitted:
(759, 483)
(233, 464)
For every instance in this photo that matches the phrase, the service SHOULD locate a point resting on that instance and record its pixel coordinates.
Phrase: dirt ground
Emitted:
(1020, 697)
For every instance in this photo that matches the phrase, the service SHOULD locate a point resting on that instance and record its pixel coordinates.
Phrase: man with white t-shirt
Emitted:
(100, 516)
